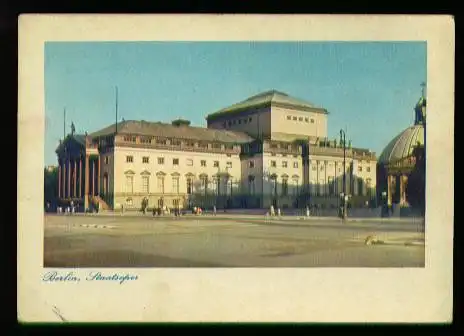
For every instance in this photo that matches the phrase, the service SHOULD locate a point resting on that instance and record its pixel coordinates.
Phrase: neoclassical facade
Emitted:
(269, 149)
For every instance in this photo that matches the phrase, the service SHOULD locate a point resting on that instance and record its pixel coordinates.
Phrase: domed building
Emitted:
(401, 166)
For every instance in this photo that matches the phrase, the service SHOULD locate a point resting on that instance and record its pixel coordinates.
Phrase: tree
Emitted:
(50, 185)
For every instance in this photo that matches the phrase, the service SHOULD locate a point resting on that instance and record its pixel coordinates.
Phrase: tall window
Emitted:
(295, 186)
(321, 187)
(160, 185)
(251, 164)
(369, 186)
(175, 185)
(273, 164)
(160, 160)
(129, 184)
(284, 186)
(274, 185)
(175, 162)
(189, 185)
(284, 164)
(331, 186)
(360, 187)
(295, 164)
(251, 184)
(203, 163)
(145, 184)
(216, 164)
(204, 181)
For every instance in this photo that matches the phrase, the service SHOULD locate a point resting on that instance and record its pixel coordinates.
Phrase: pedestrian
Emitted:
(272, 212)
(307, 211)
(214, 210)
(278, 212)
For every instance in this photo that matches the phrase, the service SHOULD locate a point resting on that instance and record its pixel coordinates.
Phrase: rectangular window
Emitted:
(161, 141)
(295, 164)
(300, 119)
(175, 162)
(307, 119)
(295, 187)
(289, 117)
(295, 118)
(129, 184)
(284, 187)
(189, 185)
(331, 186)
(312, 121)
(239, 121)
(216, 164)
(107, 159)
(203, 163)
(251, 164)
(175, 185)
(284, 164)
(229, 164)
(145, 159)
(368, 169)
(129, 158)
(160, 160)
(360, 169)
(273, 164)
(175, 203)
(189, 162)
(249, 119)
(251, 185)
(145, 184)
(204, 182)
(161, 184)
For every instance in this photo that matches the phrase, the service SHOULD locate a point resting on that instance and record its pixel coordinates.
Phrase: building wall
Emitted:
(259, 125)
(306, 123)
(122, 167)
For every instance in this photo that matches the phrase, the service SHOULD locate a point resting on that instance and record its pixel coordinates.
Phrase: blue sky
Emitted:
(368, 87)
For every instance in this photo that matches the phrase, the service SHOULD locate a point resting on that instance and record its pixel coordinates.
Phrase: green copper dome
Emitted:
(403, 144)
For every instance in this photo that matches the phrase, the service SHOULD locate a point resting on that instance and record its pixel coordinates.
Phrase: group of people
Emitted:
(70, 209)
(272, 212)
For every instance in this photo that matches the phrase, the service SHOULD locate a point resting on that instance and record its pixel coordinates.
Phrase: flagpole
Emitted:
(64, 123)
(116, 109)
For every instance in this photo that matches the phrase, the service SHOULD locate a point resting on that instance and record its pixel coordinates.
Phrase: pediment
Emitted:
(129, 172)
(145, 172)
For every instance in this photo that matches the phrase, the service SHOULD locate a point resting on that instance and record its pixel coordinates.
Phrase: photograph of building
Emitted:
(234, 154)
(270, 149)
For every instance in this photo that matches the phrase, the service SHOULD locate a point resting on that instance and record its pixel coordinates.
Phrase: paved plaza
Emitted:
(127, 240)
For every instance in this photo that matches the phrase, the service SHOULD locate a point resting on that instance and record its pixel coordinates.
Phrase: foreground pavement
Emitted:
(229, 241)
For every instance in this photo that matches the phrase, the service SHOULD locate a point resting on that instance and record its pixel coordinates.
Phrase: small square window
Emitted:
(273, 154)
(145, 159)
(203, 163)
(175, 162)
(312, 121)
(284, 164)
(295, 118)
(360, 169)
(216, 164)
(229, 164)
(300, 119)
(289, 117)
(129, 158)
(160, 160)
(273, 164)
(251, 164)
(307, 119)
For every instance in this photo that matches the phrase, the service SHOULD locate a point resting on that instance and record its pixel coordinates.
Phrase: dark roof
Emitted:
(271, 97)
(80, 138)
(171, 131)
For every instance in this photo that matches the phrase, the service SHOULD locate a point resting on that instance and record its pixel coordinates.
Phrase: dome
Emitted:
(403, 144)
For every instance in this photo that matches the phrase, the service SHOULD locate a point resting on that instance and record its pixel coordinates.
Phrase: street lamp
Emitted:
(345, 197)
(384, 203)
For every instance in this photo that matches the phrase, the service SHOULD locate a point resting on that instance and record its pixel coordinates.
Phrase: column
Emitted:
(80, 177)
(75, 178)
(389, 189)
(59, 180)
(99, 176)
(69, 177)
(86, 182)
(64, 179)
(93, 177)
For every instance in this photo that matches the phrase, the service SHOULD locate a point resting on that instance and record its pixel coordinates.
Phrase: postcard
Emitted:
(224, 168)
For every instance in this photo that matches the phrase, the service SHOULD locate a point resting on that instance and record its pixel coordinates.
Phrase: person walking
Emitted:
(214, 210)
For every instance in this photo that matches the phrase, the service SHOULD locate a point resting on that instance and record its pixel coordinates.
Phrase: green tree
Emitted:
(50, 185)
